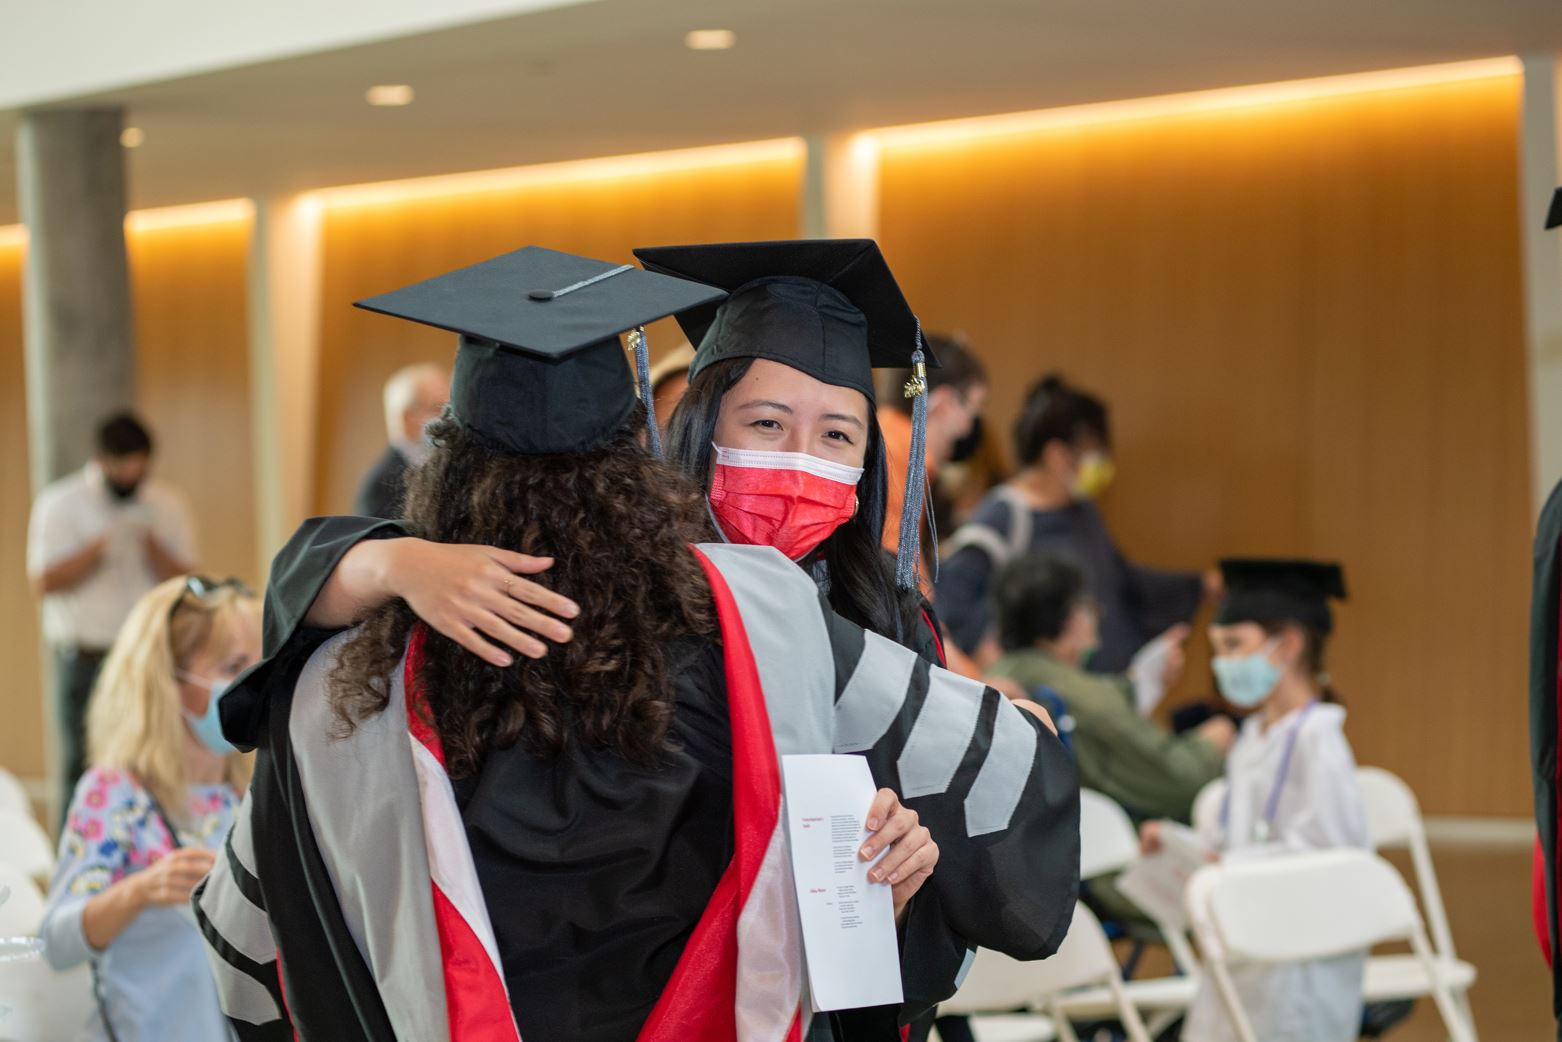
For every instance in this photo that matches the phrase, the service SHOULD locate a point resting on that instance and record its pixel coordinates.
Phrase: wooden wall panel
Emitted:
(188, 289)
(369, 249)
(22, 749)
(1307, 319)
(189, 285)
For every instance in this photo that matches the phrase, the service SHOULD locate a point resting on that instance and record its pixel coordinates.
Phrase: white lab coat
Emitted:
(1320, 807)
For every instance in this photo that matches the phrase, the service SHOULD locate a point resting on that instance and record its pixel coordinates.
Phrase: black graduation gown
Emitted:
(1545, 708)
(942, 922)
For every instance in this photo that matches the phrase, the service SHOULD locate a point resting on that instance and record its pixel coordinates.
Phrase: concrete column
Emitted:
(284, 318)
(80, 348)
(1540, 160)
(840, 187)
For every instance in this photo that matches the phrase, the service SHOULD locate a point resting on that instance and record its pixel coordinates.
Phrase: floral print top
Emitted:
(154, 976)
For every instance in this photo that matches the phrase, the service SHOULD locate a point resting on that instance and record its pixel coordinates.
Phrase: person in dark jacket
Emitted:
(413, 396)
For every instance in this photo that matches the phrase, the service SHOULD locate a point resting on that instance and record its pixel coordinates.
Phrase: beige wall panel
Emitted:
(1307, 319)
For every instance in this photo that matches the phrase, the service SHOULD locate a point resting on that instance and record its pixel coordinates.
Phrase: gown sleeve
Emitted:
(298, 572)
(996, 789)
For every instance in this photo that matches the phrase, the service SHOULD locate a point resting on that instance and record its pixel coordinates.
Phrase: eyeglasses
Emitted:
(204, 588)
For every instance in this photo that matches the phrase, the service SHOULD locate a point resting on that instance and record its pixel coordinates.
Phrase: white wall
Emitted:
(57, 49)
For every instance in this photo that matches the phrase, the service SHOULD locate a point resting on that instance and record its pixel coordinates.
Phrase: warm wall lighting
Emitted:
(389, 95)
(216, 212)
(711, 40)
(948, 131)
(640, 165)
(132, 137)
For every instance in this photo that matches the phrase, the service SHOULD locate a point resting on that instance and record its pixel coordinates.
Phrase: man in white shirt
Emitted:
(98, 540)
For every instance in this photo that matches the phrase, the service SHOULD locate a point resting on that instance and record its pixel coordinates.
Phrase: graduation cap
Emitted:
(830, 308)
(540, 369)
(1554, 217)
(1260, 589)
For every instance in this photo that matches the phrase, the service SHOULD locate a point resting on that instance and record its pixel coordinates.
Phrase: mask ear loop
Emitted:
(638, 341)
(916, 473)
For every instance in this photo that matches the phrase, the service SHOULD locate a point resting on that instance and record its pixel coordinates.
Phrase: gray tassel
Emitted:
(909, 555)
(637, 340)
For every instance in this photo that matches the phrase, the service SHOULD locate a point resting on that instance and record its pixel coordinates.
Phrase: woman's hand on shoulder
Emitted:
(478, 596)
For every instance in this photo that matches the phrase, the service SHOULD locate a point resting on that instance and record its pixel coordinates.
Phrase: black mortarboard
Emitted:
(829, 307)
(1554, 218)
(1262, 589)
(540, 369)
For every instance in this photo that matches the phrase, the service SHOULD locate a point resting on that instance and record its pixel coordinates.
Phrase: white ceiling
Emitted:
(613, 77)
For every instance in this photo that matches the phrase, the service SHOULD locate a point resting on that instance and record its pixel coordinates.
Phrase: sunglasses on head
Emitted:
(204, 588)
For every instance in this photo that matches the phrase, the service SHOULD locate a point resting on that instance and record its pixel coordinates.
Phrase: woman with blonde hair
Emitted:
(150, 813)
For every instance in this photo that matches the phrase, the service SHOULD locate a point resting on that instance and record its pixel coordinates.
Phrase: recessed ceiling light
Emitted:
(389, 95)
(132, 137)
(710, 39)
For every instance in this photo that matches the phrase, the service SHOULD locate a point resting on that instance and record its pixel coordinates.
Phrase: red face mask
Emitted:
(789, 500)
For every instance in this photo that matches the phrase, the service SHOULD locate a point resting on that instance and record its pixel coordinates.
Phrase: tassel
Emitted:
(638, 340)
(908, 558)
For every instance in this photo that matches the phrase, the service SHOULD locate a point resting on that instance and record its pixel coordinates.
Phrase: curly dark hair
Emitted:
(618, 524)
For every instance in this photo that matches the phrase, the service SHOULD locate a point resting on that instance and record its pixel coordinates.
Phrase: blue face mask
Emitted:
(207, 727)
(1246, 680)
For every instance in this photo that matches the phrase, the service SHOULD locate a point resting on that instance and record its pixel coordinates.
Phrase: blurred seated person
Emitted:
(669, 381)
(1062, 444)
(1048, 626)
(956, 394)
(151, 811)
(414, 395)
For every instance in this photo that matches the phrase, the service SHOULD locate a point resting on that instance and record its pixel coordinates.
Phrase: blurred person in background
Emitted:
(413, 396)
(1063, 447)
(956, 395)
(150, 812)
(1290, 785)
(1048, 624)
(98, 540)
(669, 381)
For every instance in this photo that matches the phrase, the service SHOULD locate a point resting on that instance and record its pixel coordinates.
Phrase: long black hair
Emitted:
(862, 574)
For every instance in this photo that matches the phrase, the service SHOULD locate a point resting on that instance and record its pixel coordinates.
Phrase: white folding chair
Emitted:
(1206, 806)
(23, 843)
(12, 795)
(1394, 823)
(1108, 842)
(37, 1004)
(994, 988)
(22, 910)
(1083, 960)
(1304, 907)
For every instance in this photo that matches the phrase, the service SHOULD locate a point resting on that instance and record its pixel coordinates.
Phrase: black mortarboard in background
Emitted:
(540, 369)
(1554, 218)
(1269, 590)
(829, 307)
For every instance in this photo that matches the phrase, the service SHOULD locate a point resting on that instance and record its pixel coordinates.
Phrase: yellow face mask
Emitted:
(1096, 472)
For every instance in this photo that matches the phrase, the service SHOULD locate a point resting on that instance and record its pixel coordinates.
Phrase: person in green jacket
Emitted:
(1047, 625)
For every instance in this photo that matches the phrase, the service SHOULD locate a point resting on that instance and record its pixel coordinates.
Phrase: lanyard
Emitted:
(1263, 828)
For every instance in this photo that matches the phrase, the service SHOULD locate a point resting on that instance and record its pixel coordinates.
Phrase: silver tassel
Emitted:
(908, 558)
(638, 341)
